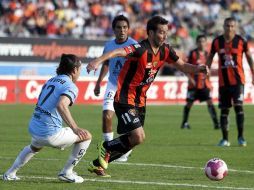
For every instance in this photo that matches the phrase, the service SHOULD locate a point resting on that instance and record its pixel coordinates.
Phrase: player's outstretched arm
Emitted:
(120, 52)
(190, 68)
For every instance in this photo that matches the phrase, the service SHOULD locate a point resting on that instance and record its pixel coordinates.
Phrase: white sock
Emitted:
(108, 136)
(78, 151)
(24, 156)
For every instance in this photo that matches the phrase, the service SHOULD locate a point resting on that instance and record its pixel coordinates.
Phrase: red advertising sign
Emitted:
(165, 90)
(8, 90)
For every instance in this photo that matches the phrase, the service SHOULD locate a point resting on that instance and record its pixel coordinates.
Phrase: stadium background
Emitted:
(34, 33)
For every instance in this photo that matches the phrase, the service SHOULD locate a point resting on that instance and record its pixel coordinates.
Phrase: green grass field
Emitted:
(170, 158)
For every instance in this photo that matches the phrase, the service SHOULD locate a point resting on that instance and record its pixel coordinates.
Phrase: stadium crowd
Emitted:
(92, 18)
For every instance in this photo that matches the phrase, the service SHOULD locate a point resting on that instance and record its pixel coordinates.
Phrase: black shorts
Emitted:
(198, 94)
(129, 117)
(227, 94)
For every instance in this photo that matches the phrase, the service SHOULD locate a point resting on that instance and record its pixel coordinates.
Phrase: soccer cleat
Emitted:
(185, 125)
(224, 142)
(99, 171)
(242, 142)
(10, 177)
(71, 178)
(103, 156)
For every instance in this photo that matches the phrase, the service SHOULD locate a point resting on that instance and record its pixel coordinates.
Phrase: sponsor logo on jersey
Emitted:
(155, 63)
(137, 46)
(149, 65)
(129, 49)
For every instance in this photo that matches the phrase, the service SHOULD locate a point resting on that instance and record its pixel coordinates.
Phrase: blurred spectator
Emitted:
(92, 18)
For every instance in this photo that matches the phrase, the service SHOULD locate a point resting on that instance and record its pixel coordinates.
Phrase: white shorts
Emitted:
(64, 138)
(108, 100)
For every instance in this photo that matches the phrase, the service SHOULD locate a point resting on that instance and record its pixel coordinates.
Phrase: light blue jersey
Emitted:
(46, 120)
(115, 64)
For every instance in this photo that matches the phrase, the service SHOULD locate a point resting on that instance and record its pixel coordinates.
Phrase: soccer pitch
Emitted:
(170, 158)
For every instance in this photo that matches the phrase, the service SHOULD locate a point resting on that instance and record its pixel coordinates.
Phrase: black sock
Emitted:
(114, 155)
(224, 123)
(239, 120)
(120, 144)
(213, 114)
(186, 112)
(116, 147)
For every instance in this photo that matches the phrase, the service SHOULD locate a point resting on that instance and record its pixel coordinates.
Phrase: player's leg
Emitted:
(224, 105)
(112, 150)
(211, 109)
(107, 117)
(129, 124)
(213, 114)
(24, 156)
(65, 138)
(108, 112)
(186, 111)
(191, 96)
(239, 113)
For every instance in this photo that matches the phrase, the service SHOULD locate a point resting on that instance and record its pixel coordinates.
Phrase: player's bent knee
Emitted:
(35, 149)
(224, 112)
(139, 138)
(89, 136)
(238, 109)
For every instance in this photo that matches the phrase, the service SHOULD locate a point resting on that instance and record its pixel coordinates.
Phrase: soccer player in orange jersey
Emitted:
(230, 48)
(199, 86)
(143, 61)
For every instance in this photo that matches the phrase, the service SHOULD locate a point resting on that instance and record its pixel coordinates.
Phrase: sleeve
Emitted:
(105, 50)
(172, 56)
(133, 50)
(71, 92)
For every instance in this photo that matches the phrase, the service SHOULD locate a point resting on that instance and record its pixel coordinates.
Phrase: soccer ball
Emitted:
(216, 169)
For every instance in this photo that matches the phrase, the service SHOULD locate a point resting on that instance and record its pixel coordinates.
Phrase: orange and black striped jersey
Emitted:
(230, 59)
(197, 57)
(140, 70)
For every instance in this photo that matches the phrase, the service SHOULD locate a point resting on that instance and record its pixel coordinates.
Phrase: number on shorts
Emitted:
(110, 95)
(126, 118)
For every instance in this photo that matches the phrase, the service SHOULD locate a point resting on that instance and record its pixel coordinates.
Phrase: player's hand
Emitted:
(91, 66)
(82, 133)
(97, 89)
(203, 69)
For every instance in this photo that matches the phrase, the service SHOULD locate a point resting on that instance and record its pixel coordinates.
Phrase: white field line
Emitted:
(139, 164)
(146, 183)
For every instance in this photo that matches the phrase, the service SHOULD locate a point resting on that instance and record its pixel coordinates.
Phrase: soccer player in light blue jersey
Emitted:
(46, 127)
(121, 27)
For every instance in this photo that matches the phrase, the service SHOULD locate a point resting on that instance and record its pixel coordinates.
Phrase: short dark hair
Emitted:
(120, 18)
(152, 23)
(200, 36)
(67, 64)
(229, 19)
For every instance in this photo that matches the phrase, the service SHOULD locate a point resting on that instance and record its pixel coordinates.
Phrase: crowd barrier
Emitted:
(164, 90)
